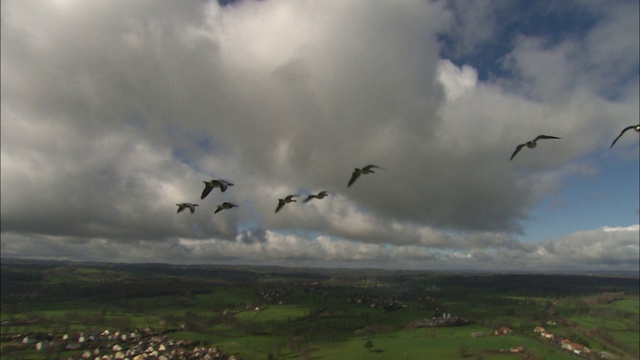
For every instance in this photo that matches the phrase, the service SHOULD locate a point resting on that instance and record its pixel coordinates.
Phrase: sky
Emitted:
(114, 112)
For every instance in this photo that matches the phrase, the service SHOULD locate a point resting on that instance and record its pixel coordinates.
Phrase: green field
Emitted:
(266, 313)
(630, 304)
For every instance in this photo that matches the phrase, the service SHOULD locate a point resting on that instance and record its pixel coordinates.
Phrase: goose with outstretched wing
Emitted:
(286, 200)
(320, 195)
(190, 206)
(225, 205)
(210, 185)
(365, 170)
(531, 144)
(635, 127)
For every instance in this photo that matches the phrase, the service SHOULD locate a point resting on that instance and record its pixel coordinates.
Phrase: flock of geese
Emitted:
(369, 169)
(224, 185)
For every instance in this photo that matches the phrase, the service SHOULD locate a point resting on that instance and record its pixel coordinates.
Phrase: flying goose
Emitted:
(286, 200)
(224, 205)
(319, 195)
(635, 127)
(531, 144)
(183, 206)
(365, 170)
(209, 185)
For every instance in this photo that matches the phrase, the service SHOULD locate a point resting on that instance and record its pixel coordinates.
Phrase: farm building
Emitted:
(539, 329)
(503, 331)
(575, 348)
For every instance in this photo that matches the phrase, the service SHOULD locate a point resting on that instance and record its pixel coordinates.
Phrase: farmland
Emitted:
(280, 313)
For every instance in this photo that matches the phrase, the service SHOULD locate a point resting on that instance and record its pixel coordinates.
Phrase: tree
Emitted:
(276, 350)
(295, 343)
(368, 345)
(463, 350)
(411, 328)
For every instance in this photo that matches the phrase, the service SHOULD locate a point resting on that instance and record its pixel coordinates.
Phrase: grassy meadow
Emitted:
(273, 313)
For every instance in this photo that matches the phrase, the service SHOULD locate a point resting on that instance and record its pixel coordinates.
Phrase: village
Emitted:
(136, 344)
(146, 343)
(568, 345)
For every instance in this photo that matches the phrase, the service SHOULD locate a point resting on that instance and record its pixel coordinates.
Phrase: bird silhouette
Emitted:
(635, 127)
(183, 206)
(210, 185)
(286, 200)
(365, 170)
(531, 144)
(319, 195)
(225, 205)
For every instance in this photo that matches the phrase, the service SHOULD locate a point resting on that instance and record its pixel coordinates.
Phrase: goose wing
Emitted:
(207, 189)
(622, 132)
(368, 168)
(354, 177)
(223, 185)
(281, 203)
(545, 137)
(309, 198)
(183, 206)
(518, 148)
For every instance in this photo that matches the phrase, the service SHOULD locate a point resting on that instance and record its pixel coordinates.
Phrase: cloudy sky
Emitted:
(115, 111)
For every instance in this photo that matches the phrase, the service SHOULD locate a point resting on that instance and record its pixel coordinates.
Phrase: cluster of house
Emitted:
(273, 295)
(440, 320)
(385, 304)
(137, 344)
(502, 331)
(565, 344)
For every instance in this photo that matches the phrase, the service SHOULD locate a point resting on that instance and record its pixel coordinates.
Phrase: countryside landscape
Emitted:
(76, 310)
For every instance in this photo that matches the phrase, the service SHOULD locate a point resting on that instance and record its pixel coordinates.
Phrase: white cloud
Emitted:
(112, 113)
(609, 245)
(456, 80)
(592, 250)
